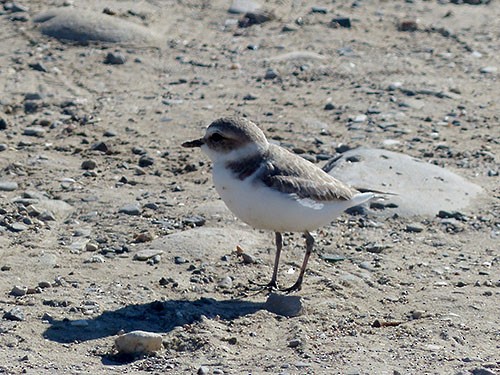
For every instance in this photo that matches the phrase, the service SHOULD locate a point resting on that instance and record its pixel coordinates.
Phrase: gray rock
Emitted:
(34, 131)
(83, 26)
(243, 6)
(226, 283)
(3, 147)
(8, 185)
(115, 58)
(489, 70)
(482, 371)
(138, 342)
(47, 216)
(58, 208)
(414, 228)
(144, 255)
(89, 164)
(284, 305)
(17, 227)
(15, 314)
(130, 209)
(203, 370)
(19, 291)
(418, 188)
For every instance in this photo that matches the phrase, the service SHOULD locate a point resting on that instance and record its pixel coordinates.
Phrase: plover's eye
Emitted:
(216, 137)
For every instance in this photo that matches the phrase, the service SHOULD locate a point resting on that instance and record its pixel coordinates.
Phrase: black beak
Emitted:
(195, 143)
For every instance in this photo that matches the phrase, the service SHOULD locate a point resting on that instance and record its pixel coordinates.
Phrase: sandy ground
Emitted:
(432, 93)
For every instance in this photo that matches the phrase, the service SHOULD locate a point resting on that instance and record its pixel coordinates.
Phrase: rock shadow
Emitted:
(158, 316)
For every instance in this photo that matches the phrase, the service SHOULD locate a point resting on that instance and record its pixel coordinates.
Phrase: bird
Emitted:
(271, 188)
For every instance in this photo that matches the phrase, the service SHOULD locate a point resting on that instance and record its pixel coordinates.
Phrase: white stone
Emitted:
(136, 342)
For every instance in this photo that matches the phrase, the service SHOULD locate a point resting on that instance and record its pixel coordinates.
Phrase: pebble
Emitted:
(408, 25)
(3, 147)
(488, 69)
(317, 9)
(243, 6)
(3, 124)
(329, 107)
(226, 283)
(332, 258)
(39, 67)
(360, 118)
(248, 259)
(414, 228)
(138, 342)
(89, 164)
(144, 255)
(34, 131)
(14, 314)
(197, 221)
(203, 370)
(294, 343)
(342, 22)
(284, 305)
(8, 186)
(44, 284)
(146, 161)
(95, 259)
(417, 314)
(47, 216)
(482, 371)
(91, 246)
(115, 58)
(180, 260)
(271, 74)
(17, 227)
(18, 291)
(130, 209)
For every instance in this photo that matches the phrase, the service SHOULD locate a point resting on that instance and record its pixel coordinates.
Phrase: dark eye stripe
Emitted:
(216, 137)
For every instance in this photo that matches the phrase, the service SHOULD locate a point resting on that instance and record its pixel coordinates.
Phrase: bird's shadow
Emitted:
(158, 316)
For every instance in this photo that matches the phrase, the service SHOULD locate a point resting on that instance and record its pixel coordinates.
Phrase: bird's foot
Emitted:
(294, 288)
(270, 286)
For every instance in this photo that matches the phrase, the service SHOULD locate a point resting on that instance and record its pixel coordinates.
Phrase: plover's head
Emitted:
(231, 138)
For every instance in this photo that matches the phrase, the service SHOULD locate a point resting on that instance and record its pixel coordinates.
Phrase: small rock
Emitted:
(180, 260)
(332, 258)
(197, 221)
(3, 124)
(3, 147)
(44, 284)
(271, 74)
(100, 146)
(18, 291)
(417, 314)
(15, 314)
(408, 25)
(89, 164)
(130, 209)
(95, 259)
(115, 58)
(482, 371)
(8, 186)
(284, 305)
(16, 7)
(144, 237)
(342, 22)
(203, 370)
(38, 66)
(488, 69)
(295, 343)
(321, 10)
(248, 258)
(146, 161)
(34, 131)
(249, 97)
(414, 228)
(360, 118)
(243, 6)
(17, 227)
(226, 283)
(47, 216)
(144, 255)
(138, 342)
(91, 246)
(329, 107)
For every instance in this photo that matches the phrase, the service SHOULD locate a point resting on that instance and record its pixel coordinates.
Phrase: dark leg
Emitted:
(273, 284)
(309, 247)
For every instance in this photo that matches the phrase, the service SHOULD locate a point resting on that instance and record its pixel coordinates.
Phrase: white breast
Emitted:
(265, 208)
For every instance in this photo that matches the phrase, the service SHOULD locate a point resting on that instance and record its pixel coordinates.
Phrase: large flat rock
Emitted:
(420, 188)
(81, 25)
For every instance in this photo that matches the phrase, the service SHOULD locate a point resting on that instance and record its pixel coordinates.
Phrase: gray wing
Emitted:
(292, 174)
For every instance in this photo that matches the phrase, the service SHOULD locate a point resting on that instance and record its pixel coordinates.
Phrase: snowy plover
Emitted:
(271, 188)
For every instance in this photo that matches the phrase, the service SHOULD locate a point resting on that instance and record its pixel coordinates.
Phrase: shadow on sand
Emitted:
(160, 317)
